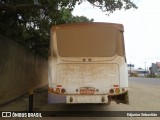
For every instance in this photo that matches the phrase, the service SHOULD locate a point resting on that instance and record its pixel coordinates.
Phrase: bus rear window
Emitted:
(87, 42)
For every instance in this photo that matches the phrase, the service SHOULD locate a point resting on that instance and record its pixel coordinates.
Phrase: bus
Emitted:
(87, 64)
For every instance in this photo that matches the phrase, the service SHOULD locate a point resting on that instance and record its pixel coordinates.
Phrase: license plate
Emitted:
(87, 91)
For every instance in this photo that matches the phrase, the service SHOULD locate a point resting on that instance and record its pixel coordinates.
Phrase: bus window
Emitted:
(120, 44)
(87, 42)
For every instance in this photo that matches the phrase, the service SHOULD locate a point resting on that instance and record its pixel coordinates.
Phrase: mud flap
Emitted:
(122, 98)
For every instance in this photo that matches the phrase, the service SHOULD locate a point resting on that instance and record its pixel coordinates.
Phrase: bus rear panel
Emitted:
(87, 64)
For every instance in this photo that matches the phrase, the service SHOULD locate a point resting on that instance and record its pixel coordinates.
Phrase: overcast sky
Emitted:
(142, 34)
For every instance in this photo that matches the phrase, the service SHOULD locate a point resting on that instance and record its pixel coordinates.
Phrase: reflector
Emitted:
(59, 85)
(115, 85)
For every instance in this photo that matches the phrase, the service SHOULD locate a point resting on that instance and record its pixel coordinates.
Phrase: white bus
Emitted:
(87, 64)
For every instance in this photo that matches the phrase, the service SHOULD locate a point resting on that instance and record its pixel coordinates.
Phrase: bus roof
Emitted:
(100, 24)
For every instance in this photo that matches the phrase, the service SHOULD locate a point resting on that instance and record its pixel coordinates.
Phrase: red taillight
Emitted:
(51, 89)
(63, 90)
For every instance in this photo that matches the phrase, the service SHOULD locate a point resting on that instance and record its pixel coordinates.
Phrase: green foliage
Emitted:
(28, 21)
(133, 75)
(112, 5)
(153, 76)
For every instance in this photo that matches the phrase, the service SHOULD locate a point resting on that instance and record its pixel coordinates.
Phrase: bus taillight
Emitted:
(111, 91)
(51, 89)
(63, 90)
(57, 90)
(117, 90)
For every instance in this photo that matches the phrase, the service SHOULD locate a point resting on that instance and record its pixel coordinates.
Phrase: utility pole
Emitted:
(130, 69)
(145, 68)
(31, 100)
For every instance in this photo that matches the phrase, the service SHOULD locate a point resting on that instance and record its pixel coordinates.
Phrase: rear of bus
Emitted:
(87, 64)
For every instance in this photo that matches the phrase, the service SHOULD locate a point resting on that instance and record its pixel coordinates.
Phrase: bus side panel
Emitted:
(51, 70)
(123, 72)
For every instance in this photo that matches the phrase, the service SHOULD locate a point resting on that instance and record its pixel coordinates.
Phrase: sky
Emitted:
(141, 29)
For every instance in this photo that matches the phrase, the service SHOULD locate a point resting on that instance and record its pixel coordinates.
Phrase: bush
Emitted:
(133, 75)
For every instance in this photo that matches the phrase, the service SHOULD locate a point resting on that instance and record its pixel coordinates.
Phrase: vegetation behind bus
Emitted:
(28, 22)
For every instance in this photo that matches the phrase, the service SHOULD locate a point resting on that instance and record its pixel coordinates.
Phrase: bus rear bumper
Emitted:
(71, 99)
(77, 99)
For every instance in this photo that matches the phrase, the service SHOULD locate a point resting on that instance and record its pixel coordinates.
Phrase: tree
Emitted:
(28, 21)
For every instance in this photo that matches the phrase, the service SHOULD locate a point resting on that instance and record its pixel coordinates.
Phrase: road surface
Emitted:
(146, 81)
(144, 95)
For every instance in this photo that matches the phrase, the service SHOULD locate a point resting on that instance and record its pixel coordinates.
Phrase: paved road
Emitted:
(144, 95)
(147, 81)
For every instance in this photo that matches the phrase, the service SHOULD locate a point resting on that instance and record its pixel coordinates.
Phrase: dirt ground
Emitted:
(143, 97)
